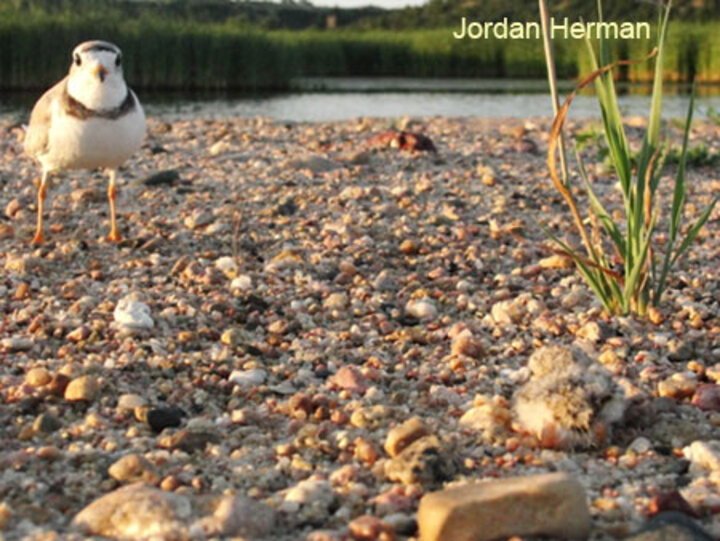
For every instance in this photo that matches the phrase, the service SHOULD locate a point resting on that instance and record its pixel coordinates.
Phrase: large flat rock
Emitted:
(551, 504)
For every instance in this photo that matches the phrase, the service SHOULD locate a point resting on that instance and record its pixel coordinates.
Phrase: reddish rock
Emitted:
(349, 378)
(707, 397)
(402, 140)
(369, 528)
(671, 501)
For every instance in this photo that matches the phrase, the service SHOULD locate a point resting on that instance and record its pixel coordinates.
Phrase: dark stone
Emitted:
(162, 178)
(257, 303)
(287, 207)
(158, 149)
(166, 417)
(46, 424)
(57, 384)
(671, 500)
(680, 351)
(29, 405)
(671, 526)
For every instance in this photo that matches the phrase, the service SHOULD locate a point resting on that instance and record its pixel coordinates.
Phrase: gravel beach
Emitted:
(307, 331)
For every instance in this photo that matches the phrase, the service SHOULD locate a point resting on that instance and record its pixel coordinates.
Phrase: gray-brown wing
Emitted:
(36, 138)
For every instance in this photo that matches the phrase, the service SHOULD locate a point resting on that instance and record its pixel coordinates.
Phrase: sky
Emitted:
(360, 3)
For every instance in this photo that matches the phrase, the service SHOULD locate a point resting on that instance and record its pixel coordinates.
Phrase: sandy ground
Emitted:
(309, 292)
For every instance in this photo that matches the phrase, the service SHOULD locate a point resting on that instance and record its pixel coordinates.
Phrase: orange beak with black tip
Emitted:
(101, 72)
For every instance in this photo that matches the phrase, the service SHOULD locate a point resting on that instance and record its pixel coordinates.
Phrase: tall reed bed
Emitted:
(181, 54)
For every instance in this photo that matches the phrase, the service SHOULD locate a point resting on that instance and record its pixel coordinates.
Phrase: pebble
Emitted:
(134, 468)
(408, 247)
(130, 401)
(384, 281)
(189, 440)
(138, 511)
(159, 419)
(552, 505)
(671, 526)
(161, 178)
(466, 344)
(45, 423)
(421, 309)
(703, 455)
(678, 386)
(58, 384)
(680, 351)
(5, 515)
(507, 312)
(234, 337)
(248, 378)
(135, 511)
(238, 517)
(242, 283)
(350, 378)
(707, 397)
(133, 315)
(370, 528)
(336, 301)
(82, 389)
(17, 343)
(311, 491)
(640, 445)
(228, 266)
(591, 331)
(491, 418)
(399, 437)
(37, 377)
(199, 218)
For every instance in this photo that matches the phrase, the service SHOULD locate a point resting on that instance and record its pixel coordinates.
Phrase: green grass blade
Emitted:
(598, 208)
(678, 205)
(693, 232)
(639, 269)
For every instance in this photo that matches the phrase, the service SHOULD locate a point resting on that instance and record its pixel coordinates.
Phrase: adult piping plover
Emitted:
(90, 119)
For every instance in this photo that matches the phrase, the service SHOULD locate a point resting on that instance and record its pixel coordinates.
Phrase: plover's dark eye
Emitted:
(78, 60)
(118, 60)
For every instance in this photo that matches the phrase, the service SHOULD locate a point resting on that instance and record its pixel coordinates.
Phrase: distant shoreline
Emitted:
(559, 29)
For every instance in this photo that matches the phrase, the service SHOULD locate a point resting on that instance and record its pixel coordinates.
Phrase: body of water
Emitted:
(318, 100)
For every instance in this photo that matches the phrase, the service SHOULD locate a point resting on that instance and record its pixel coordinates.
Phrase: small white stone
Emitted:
(248, 378)
(131, 401)
(199, 218)
(422, 309)
(311, 491)
(227, 265)
(703, 455)
(640, 445)
(133, 315)
(507, 312)
(242, 282)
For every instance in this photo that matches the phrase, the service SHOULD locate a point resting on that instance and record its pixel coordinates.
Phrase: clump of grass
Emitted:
(621, 264)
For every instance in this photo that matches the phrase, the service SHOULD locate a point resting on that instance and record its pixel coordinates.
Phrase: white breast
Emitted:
(75, 143)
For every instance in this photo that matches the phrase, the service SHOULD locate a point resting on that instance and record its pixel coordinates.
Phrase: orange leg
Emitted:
(114, 236)
(39, 238)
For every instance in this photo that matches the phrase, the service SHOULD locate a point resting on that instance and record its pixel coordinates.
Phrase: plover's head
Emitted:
(96, 75)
